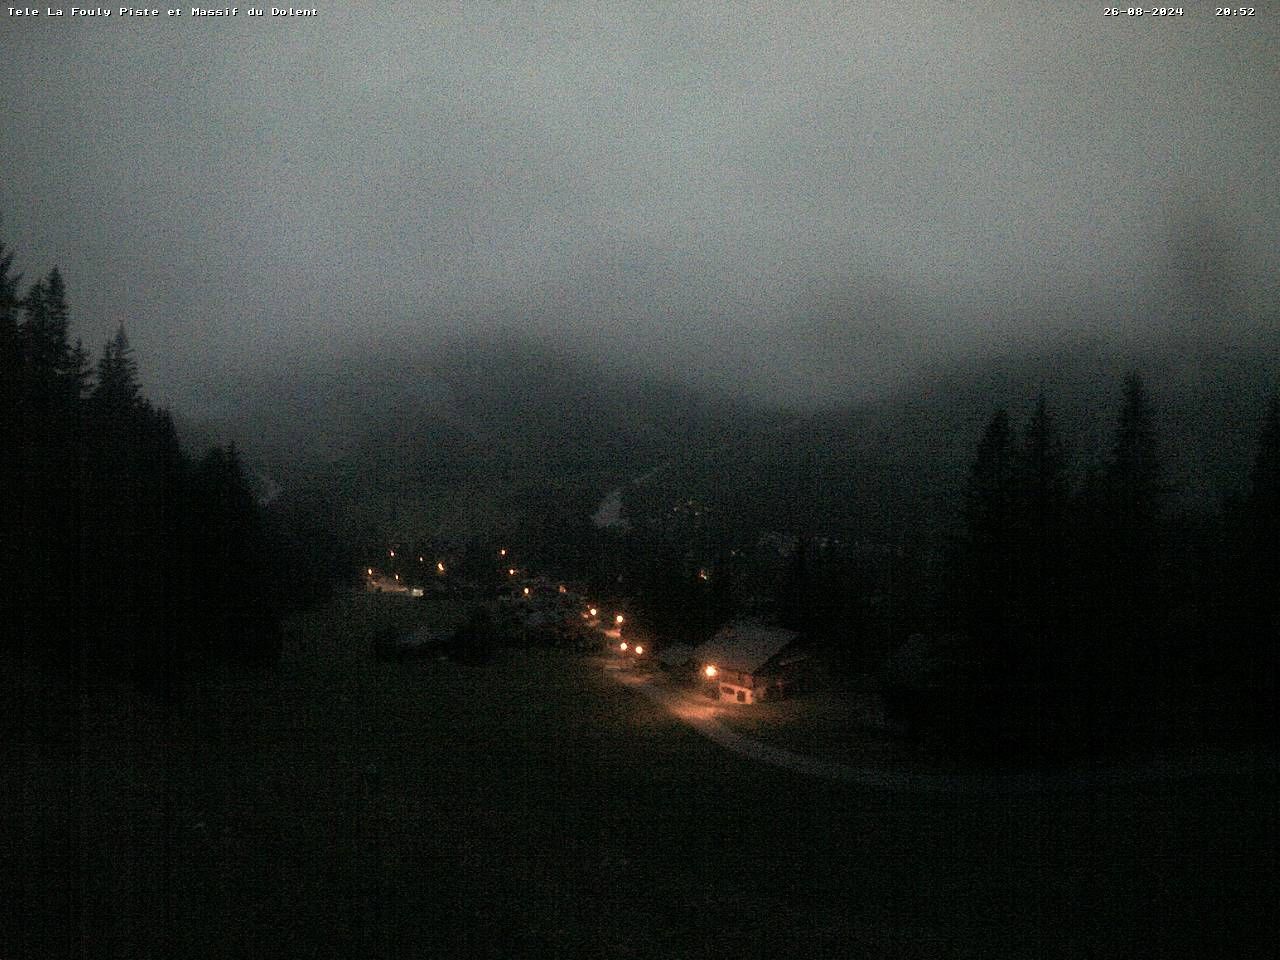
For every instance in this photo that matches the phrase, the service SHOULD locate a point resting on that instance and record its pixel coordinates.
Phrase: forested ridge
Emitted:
(123, 556)
(1105, 609)
(1073, 589)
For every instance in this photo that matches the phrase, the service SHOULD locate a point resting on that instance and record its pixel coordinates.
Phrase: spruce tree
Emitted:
(57, 317)
(989, 551)
(117, 387)
(1263, 503)
(1042, 518)
(11, 451)
(79, 370)
(1133, 472)
(44, 329)
(1131, 557)
(9, 309)
(1262, 569)
(1135, 500)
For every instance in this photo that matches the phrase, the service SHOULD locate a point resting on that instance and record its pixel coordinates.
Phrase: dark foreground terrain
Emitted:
(352, 808)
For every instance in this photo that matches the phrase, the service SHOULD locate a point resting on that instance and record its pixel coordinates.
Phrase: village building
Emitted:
(393, 585)
(749, 661)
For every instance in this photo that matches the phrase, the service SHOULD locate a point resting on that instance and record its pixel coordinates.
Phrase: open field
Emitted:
(820, 724)
(351, 808)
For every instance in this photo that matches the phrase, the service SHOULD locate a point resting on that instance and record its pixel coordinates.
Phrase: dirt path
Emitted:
(701, 716)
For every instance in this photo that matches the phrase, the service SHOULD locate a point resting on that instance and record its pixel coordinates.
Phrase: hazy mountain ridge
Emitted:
(467, 425)
(472, 436)
(877, 467)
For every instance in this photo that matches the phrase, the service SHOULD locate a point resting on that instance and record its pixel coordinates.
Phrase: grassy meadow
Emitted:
(345, 807)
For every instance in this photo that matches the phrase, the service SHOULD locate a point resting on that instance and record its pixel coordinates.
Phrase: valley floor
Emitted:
(532, 807)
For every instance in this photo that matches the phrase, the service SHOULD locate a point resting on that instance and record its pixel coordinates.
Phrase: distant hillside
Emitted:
(470, 438)
(901, 462)
(494, 439)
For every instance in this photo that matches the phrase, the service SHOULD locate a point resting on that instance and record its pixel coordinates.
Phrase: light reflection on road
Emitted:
(685, 706)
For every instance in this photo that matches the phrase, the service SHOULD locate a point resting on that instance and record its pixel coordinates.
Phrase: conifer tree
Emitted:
(1133, 473)
(113, 550)
(117, 385)
(1263, 503)
(45, 325)
(1042, 518)
(989, 551)
(1134, 492)
(57, 317)
(1262, 517)
(1125, 549)
(79, 369)
(9, 305)
(11, 526)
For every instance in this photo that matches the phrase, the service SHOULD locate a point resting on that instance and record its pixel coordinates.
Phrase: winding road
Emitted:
(701, 716)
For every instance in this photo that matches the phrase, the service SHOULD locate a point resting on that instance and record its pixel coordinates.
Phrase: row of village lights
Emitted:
(594, 612)
(710, 669)
(511, 571)
(440, 565)
(392, 554)
(639, 650)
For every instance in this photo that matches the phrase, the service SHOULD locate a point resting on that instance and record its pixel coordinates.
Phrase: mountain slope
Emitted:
(502, 438)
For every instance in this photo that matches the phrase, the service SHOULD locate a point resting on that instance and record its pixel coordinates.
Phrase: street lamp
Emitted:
(711, 671)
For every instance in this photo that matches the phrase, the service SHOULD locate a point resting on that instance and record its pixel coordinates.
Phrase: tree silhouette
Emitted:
(11, 451)
(120, 557)
(1042, 498)
(9, 305)
(117, 385)
(1131, 559)
(1133, 472)
(1260, 576)
(989, 553)
(43, 333)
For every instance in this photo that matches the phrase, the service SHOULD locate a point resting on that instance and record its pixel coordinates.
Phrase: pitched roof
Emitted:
(745, 645)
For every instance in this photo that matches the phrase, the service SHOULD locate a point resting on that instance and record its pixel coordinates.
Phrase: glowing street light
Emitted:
(511, 571)
(502, 552)
(711, 671)
(526, 591)
(392, 552)
(369, 570)
(623, 646)
(618, 619)
(594, 612)
(440, 565)
(639, 649)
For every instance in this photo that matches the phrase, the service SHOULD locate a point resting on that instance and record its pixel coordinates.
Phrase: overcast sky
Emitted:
(820, 195)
